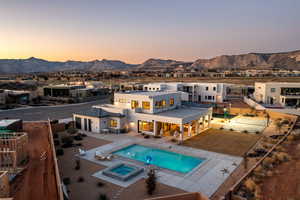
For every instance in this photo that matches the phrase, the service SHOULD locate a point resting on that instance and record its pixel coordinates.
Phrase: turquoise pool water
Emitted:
(161, 158)
(122, 170)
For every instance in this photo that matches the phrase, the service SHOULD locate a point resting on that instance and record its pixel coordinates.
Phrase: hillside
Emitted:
(285, 60)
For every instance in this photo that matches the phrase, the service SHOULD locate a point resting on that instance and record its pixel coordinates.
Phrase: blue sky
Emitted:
(135, 30)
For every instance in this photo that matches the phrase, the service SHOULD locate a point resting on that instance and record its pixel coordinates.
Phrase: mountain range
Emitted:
(284, 60)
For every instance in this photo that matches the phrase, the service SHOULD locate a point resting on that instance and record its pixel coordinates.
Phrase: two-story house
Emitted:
(154, 113)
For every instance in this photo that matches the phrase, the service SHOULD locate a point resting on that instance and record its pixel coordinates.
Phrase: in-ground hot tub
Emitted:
(122, 171)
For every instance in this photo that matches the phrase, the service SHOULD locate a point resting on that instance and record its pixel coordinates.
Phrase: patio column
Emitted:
(209, 118)
(197, 127)
(203, 122)
(181, 132)
(190, 130)
(155, 128)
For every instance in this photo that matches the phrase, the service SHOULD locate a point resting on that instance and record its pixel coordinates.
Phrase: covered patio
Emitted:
(182, 123)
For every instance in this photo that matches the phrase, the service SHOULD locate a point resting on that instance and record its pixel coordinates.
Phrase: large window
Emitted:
(113, 123)
(145, 126)
(78, 122)
(171, 101)
(134, 104)
(146, 105)
(164, 103)
(158, 104)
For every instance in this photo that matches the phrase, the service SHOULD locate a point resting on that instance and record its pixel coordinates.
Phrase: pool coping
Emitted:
(204, 160)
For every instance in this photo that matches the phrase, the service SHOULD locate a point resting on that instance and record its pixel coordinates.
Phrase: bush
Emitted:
(157, 136)
(257, 132)
(231, 129)
(56, 142)
(55, 135)
(221, 128)
(77, 164)
(100, 184)
(67, 181)
(245, 131)
(59, 152)
(67, 140)
(174, 140)
(80, 179)
(72, 131)
(103, 197)
(146, 136)
(77, 137)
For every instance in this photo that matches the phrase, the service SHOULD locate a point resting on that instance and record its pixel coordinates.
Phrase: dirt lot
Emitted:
(38, 180)
(286, 183)
(222, 141)
(88, 189)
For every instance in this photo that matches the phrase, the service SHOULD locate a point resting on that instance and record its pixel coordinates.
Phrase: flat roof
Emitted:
(184, 112)
(148, 93)
(7, 122)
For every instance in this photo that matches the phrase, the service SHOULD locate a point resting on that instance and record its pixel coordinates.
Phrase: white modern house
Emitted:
(197, 92)
(159, 113)
(280, 93)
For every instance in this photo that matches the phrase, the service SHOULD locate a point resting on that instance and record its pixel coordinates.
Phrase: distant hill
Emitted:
(39, 65)
(284, 60)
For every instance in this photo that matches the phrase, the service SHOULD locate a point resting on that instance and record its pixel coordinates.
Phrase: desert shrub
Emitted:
(67, 140)
(59, 152)
(80, 179)
(72, 130)
(56, 142)
(250, 185)
(67, 181)
(268, 162)
(77, 137)
(100, 184)
(103, 197)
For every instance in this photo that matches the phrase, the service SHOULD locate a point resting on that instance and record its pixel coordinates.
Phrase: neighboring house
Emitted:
(281, 93)
(64, 90)
(197, 92)
(154, 113)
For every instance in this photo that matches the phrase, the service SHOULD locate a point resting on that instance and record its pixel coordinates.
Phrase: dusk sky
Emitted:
(135, 30)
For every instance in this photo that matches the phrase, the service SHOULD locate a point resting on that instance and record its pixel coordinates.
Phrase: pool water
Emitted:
(161, 158)
(122, 170)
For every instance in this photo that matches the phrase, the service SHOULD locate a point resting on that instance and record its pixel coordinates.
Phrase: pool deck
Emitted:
(205, 178)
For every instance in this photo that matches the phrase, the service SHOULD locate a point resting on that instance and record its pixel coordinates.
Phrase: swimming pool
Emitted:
(161, 158)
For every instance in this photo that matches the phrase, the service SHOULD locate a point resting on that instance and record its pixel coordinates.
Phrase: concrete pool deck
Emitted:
(205, 178)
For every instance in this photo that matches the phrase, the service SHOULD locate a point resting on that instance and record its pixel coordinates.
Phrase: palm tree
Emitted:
(151, 182)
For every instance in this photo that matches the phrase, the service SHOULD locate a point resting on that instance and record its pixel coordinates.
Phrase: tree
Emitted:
(151, 182)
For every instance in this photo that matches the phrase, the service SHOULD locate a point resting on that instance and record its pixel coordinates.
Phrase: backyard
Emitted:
(83, 185)
(223, 141)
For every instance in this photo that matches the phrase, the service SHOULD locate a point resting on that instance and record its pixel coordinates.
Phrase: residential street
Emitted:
(52, 112)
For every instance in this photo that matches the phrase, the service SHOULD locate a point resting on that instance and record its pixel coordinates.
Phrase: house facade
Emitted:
(157, 113)
(281, 93)
(197, 92)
